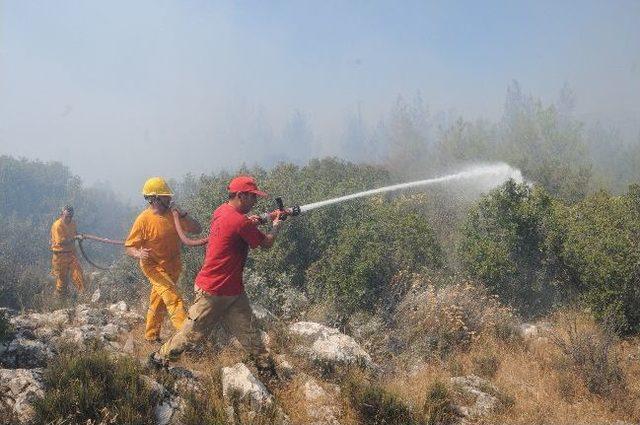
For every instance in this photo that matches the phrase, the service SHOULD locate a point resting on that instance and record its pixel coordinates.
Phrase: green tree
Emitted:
(504, 245)
(600, 247)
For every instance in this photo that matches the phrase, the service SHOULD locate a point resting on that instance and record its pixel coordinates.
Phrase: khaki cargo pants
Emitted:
(207, 311)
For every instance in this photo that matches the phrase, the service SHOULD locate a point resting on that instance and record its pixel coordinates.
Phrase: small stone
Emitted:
(129, 345)
(96, 296)
(120, 306)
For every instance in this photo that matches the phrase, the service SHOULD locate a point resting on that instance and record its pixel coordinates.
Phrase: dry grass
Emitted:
(439, 321)
(538, 375)
(528, 373)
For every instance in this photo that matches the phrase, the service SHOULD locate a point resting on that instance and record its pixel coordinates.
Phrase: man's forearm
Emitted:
(270, 237)
(192, 224)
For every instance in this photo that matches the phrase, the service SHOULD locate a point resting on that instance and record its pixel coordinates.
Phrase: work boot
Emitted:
(156, 363)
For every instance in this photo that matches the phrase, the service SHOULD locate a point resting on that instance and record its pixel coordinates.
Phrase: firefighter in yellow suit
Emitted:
(154, 241)
(64, 260)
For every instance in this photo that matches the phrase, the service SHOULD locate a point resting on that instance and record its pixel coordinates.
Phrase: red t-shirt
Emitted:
(230, 237)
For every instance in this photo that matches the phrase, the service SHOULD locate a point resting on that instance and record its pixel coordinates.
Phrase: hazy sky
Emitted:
(121, 90)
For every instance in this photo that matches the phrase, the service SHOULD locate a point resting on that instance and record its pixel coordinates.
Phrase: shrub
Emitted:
(591, 353)
(438, 409)
(383, 240)
(505, 246)
(6, 330)
(88, 385)
(375, 405)
(599, 246)
(436, 321)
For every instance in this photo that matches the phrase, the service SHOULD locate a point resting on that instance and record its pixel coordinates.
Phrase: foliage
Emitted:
(377, 406)
(91, 386)
(381, 240)
(600, 248)
(505, 246)
(438, 409)
(6, 330)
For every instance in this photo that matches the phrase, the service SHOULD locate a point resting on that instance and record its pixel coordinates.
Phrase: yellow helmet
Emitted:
(156, 186)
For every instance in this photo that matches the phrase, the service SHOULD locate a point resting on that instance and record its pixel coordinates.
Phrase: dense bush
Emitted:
(505, 246)
(533, 251)
(383, 239)
(600, 248)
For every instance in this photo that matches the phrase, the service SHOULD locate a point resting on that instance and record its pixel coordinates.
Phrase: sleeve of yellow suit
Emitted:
(136, 235)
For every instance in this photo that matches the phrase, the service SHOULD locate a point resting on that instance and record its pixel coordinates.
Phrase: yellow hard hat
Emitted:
(156, 186)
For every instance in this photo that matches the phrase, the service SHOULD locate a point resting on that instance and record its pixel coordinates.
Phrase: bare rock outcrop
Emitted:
(328, 346)
(18, 388)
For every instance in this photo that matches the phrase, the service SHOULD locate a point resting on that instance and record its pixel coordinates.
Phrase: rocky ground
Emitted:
(38, 336)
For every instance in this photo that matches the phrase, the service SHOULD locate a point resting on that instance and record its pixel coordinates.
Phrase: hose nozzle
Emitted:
(281, 210)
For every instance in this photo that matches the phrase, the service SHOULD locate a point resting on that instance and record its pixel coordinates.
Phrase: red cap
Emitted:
(245, 184)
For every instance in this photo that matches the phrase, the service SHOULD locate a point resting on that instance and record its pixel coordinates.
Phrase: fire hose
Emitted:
(82, 238)
(281, 212)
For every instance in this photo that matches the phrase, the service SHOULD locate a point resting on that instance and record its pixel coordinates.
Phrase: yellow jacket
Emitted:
(158, 233)
(60, 232)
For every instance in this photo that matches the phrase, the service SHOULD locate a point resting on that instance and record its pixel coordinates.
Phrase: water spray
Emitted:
(497, 173)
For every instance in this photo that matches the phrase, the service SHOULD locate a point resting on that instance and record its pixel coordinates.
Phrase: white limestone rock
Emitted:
(56, 319)
(322, 407)
(18, 389)
(110, 332)
(238, 383)
(25, 353)
(85, 315)
(328, 345)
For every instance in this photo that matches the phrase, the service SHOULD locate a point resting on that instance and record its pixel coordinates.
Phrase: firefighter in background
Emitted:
(154, 241)
(64, 260)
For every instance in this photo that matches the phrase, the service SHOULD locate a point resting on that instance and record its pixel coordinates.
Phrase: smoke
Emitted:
(120, 91)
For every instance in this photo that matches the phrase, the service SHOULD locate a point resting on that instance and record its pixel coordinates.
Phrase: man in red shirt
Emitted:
(219, 288)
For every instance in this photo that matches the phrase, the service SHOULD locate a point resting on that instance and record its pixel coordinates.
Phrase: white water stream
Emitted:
(492, 175)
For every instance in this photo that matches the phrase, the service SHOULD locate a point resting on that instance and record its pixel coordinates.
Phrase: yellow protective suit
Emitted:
(158, 233)
(64, 260)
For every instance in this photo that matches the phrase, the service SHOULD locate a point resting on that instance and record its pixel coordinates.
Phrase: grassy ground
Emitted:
(573, 373)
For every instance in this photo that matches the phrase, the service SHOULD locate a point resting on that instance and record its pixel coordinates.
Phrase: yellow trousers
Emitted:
(63, 264)
(164, 298)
